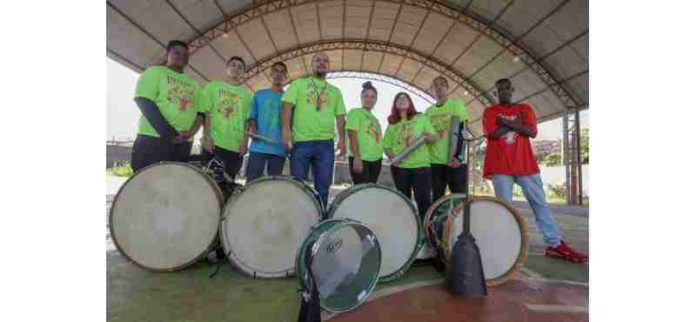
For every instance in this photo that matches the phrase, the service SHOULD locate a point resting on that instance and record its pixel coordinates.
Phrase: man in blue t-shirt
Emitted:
(265, 125)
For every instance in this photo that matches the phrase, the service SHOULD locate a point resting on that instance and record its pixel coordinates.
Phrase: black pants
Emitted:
(416, 180)
(443, 176)
(370, 171)
(148, 150)
(231, 159)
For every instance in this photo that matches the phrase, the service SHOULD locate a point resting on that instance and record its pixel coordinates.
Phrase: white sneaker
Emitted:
(426, 252)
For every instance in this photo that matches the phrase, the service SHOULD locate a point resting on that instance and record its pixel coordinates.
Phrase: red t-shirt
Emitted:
(511, 153)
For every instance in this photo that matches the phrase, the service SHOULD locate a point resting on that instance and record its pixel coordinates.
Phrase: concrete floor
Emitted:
(545, 290)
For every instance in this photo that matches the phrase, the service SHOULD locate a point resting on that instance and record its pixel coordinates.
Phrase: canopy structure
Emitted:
(541, 45)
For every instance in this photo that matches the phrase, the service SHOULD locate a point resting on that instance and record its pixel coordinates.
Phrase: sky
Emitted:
(122, 113)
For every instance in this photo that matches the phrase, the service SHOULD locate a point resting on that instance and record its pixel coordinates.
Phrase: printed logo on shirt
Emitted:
(313, 91)
(271, 113)
(511, 136)
(181, 97)
(374, 130)
(227, 103)
(441, 124)
(404, 134)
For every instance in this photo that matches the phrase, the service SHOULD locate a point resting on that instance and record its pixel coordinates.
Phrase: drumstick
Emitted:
(263, 138)
(409, 149)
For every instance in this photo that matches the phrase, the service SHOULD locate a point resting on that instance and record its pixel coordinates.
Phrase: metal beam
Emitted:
(413, 40)
(464, 16)
(297, 36)
(367, 31)
(116, 56)
(343, 33)
(377, 46)
(432, 52)
(391, 32)
(181, 15)
(147, 33)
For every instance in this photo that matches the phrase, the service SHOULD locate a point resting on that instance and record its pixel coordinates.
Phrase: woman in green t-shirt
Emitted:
(413, 173)
(365, 139)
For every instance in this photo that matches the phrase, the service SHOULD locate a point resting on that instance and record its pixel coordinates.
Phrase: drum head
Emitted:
(498, 228)
(345, 259)
(391, 217)
(264, 224)
(166, 216)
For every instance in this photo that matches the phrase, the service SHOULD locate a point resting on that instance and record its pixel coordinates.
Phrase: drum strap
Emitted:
(310, 310)
(218, 264)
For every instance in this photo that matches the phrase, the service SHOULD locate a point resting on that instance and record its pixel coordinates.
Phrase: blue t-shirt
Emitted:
(267, 110)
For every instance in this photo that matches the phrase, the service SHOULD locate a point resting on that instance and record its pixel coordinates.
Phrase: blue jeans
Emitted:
(257, 161)
(533, 190)
(320, 156)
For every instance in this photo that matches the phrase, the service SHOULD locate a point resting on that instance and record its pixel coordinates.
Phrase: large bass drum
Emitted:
(393, 219)
(498, 228)
(265, 222)
(166, 216)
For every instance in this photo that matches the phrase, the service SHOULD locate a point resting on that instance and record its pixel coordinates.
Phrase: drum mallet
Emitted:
(409, 149)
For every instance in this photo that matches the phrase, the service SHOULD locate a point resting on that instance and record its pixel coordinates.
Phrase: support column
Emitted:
(571, 157)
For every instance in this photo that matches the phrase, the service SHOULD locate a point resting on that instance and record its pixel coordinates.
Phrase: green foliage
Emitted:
(552, 160)
(585, 146)
(556, 191)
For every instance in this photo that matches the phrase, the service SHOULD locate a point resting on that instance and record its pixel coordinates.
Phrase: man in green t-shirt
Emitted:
(170, 103)
(445, 170)
(227, 106)
(315, 105)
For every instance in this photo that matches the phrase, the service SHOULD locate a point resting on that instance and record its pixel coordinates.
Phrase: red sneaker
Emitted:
(563, 251)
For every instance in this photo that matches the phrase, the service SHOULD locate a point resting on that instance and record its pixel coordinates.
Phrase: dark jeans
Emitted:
(443, 176)
(370, 171)
(257, 161)
(416, 180)
(232, 160)
(320, 156)
(149, 150)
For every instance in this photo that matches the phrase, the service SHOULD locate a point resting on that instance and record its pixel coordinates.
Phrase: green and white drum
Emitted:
(344, 257)
(166, 216)
(393, 219)
(498, 228)
(265, 222)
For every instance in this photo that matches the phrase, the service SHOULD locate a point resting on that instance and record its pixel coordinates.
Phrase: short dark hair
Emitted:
(502, 80)
(173, 43)
(236, 58)
(442, 78)
(280, 63)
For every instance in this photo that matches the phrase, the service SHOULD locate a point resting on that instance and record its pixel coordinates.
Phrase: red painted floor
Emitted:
(516, 300)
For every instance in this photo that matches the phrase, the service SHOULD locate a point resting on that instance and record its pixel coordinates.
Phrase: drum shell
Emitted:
(420, 240)
(213, 241)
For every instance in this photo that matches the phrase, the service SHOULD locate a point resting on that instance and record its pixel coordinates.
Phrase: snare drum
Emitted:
(265, 222)
(393, 219)
(166, 216)
(498, 228)
(345, 258)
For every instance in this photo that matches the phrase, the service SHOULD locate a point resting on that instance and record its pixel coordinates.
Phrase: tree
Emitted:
(585, 146)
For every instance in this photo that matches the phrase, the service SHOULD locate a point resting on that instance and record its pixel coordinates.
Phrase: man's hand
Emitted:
(208, 144)
(341, 148)
(242, 149)
(287, 139)
(357, 165)
(430, 138)
(454, 163)
(181, 138)
(393, 162)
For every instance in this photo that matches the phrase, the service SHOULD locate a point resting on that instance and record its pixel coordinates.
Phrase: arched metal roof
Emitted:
(542, 45)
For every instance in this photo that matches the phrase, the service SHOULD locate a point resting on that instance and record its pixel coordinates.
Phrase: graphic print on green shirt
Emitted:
(312, 120)
(176, 95)
(441, 117)
(229, 107)
(368, 132)
(399, 136)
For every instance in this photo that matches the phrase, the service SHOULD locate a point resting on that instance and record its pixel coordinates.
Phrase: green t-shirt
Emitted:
(177, 96)
(310, 122)
(398, 136)
(369, 134)
(440, 118)
(229, 107)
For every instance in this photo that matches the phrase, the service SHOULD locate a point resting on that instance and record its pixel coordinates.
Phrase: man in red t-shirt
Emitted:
(509, 159)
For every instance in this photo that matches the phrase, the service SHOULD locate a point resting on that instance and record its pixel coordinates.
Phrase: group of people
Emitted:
(302, 122)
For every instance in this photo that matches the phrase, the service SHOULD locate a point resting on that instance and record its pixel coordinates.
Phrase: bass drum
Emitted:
(393, 219)
(166, 216)
(498, 228)
(265, 222)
